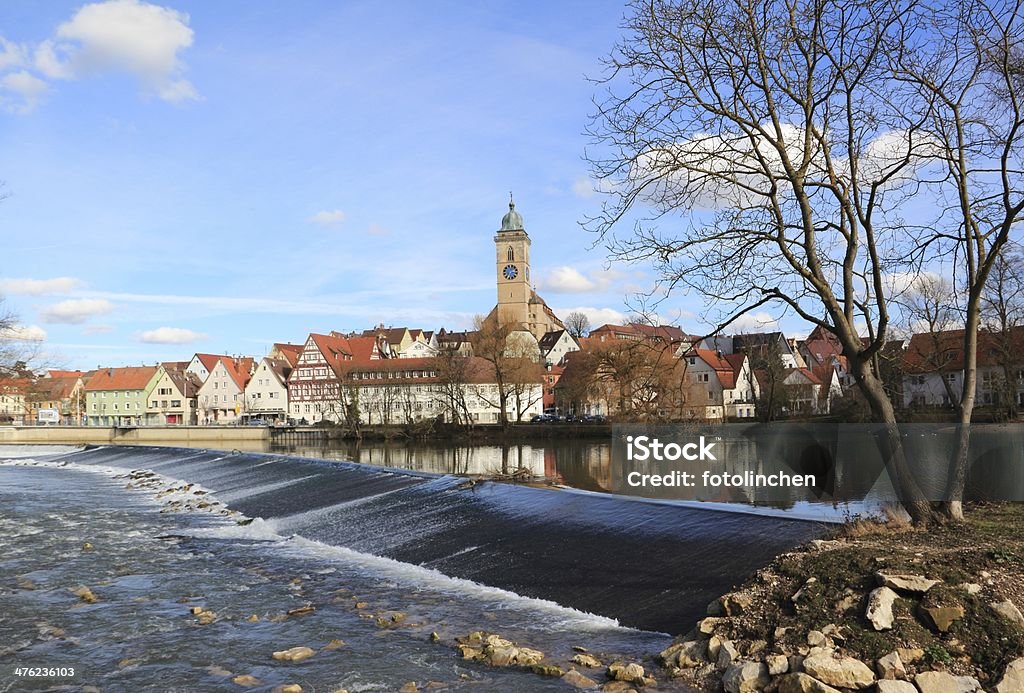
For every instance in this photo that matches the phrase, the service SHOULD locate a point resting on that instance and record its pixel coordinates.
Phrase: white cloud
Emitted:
(760, 321)
(588, 187)
(716, 171)
(597, 316)
(11, 54)
(76, 311)
(170, 335)
(122, 36)
(23, 333)
(569, 280)
(35, 287)
(327, 217)
(27, 89)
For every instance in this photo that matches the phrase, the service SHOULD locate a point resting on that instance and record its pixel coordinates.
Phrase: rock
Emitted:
(841, 672)
(745, 677)
(575, 678)
(288, 688)
(84, 593)
(1013, 678)
(213, 670)
(434, 637)
(917, 584)
(890, 686)
(971, 588)
(727, 654)
(910, 655)
(1009, 611)
(527, 657)
(685, 654)
(335, 644)
(205, 618)
(86, 546)
(891, 667)
(586, 660)
(942, 617)
(777, 664)
(736, 603)
(302, 610)
(294, 654)
(756, 647)
(707, 626)
(253, 619)
(630, 673)
(802, 683)
(879, 612)
(800, 593)
(246, 680)
(816, 638)
(547, 670)
(714, 647)
(715, 608)
(942, 682)
(618, 687)
(409, 687)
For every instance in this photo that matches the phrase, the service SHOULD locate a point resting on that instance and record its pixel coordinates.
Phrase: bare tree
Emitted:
(787, 136)
(1002, 306)
(929, 309)
(577, 324)
(514, 360)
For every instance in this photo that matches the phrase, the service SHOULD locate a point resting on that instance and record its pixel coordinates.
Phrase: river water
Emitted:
(384, 557)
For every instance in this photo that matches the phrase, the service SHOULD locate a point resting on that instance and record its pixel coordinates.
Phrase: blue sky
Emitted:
(243, 173)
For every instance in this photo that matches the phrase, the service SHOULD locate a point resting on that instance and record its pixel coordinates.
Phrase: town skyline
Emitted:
(223, 178)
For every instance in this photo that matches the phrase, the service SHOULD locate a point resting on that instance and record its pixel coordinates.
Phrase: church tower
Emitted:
(512, 247)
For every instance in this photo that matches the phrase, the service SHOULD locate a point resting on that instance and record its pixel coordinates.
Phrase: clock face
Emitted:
(510, 272)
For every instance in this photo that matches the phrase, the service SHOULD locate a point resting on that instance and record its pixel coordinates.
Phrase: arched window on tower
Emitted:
(511, 255)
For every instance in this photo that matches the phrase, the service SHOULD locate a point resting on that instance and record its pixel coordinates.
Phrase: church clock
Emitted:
(510, 272)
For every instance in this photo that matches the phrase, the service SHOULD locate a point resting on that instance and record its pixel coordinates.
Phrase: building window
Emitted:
(511, 254)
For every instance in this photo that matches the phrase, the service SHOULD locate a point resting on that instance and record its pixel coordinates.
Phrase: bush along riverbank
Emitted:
(876, 607)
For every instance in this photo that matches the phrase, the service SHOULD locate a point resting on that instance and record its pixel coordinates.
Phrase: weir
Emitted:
(652, 566)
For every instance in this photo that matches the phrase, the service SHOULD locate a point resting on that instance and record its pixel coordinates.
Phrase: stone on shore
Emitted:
(1009, 611)
(578, 680)
(890, 667)
(246, 680)
(294, 654)
(943, 682)
(891, 686)
(917, 584)
(777, 664)
(879, 612)
(629, 672)
(587, 660)
(1013, 678)
(942, 618)
(745, 677)
(288, 688)
(802, 683)
(841, 672)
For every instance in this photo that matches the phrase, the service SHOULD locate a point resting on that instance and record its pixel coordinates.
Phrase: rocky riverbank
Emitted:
(882, 608)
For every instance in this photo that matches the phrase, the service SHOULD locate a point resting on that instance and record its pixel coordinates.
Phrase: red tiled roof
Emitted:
(289, 352)
(64, 374)
(239, 369)
(127, 378)
(723, 368)
(209, 361)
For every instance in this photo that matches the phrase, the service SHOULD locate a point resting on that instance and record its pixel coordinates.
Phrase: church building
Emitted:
(518, 303)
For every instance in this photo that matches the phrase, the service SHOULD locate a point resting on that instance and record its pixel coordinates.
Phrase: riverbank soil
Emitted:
(876, 604)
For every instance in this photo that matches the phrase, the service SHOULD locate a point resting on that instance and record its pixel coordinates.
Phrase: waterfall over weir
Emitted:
(651, 566)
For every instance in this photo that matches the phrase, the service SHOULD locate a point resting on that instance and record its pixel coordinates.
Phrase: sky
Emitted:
(217, 177)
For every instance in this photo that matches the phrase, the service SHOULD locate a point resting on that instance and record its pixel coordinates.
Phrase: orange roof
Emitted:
(56, 388)
(363, 348)
(128, 378)
(724, 369)
(64, 374)
(239, 369)
(209, 361)
(289, 352)
(335, 349)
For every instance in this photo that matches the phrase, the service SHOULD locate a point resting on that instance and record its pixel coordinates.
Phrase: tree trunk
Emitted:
(952, 507)
(891, 445)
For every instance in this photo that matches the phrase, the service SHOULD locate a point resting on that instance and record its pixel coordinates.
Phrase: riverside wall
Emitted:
(241, 437)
